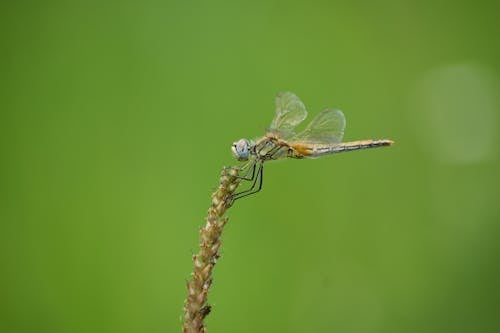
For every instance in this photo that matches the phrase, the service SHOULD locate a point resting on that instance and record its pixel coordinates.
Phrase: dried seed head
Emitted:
(195, 307)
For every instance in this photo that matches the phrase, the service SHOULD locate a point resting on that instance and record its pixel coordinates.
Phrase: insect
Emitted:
(322, 136)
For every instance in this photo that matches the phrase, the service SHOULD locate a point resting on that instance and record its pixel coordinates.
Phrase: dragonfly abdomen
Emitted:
(320, 150)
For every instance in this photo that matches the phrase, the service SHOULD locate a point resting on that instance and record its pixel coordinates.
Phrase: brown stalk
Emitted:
(196, 307)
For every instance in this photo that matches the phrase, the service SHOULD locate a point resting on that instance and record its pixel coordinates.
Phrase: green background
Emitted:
(115, 122)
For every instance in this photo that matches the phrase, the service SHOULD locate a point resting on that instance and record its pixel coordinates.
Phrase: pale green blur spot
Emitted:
(457, 108)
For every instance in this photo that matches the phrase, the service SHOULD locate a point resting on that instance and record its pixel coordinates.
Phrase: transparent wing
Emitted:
(327, 127)
(290, 112)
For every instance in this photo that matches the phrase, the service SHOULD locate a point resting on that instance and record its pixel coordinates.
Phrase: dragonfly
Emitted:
(322, 136)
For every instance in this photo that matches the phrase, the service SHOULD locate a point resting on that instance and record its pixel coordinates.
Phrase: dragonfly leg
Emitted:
(250, 191)
(250, 166)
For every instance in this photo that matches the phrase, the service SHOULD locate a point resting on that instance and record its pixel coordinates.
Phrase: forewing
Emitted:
(290, 112)
(327, 127)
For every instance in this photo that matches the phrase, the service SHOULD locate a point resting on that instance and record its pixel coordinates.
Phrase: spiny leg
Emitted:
(255, 180)
(258, 178)
(250, 191)
(249, 166)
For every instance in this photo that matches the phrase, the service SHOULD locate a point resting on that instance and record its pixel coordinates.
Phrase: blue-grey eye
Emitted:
(241, 149)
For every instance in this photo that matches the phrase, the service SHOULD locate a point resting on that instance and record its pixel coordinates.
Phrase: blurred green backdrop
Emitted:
(115, 121)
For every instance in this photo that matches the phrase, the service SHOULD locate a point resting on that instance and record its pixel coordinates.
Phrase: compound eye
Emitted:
(240, 149)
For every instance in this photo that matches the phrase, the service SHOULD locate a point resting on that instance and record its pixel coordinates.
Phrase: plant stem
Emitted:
(195, 306)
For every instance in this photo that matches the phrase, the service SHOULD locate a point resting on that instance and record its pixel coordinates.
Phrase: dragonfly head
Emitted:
(241, 149)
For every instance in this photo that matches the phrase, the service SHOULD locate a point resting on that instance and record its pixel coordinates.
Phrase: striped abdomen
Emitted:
(315, 150)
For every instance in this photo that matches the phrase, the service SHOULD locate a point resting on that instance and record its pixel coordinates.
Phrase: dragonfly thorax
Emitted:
(241, 149)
